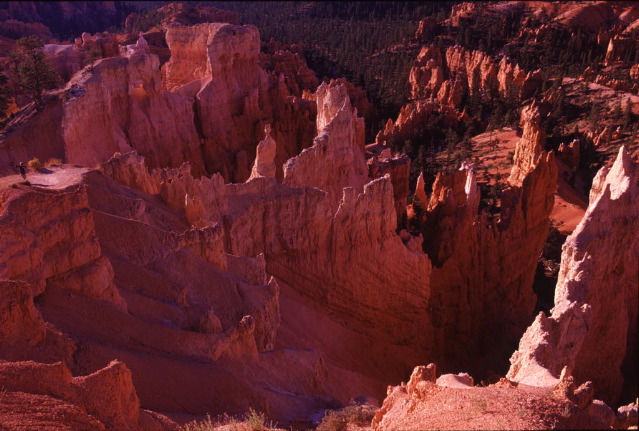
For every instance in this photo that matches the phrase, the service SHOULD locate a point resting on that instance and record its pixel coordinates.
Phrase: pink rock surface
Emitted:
(580, 333)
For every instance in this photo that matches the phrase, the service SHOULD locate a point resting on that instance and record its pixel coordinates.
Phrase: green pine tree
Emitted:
(34, 75)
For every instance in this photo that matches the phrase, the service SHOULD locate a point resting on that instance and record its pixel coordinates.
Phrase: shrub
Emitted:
(53, 162)
(205, 425)
(338, 420)
(332, 421)
(255, 421)
(34, 163)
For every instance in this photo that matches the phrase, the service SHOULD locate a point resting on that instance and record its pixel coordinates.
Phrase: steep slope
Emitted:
(483, 268)
(235, 98)
(592, 329)
(213, 120)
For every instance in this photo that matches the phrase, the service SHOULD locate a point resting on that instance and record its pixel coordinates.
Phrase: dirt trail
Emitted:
(53, 178)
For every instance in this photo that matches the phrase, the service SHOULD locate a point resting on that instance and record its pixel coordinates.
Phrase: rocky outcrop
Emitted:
(230, 91)
(530, 146)
(458, 72)
(420, 192)
(103, 44)
(264, 165)
(580, 333)
(64, 59)
(20, 321)
(303, 230)
(481, 270)
(134, 113)
(427, 74)
(155, 248)
(217, 64)
(398, 167)
(618, 49)
(336, 159)
(103, 400)
(570, 153)
(117, 107)
(130, 170)
(359, 100)
(425, 30)
(49, 238)
(428, 402)
(287, 60)
(411, 119)
(214, 120)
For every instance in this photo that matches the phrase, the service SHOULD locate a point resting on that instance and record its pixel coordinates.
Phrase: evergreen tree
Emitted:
(627, 114)
(34, 75)
(5, 94)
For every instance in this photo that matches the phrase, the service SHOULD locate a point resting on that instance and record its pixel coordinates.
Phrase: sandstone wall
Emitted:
(336, 159)
(592, 330)
(49, 237)
(484, 268)
(235, 98)
(452, 75)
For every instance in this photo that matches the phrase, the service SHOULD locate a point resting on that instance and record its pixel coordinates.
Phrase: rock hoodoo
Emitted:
(592, 329)
(480, 264)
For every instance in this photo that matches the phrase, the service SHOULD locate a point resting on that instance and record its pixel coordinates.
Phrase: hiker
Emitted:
(23, 172)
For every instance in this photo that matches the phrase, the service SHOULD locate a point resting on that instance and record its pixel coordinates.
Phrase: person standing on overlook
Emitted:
(23, 172)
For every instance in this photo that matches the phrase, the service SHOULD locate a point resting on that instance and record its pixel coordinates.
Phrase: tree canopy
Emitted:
(32, 74)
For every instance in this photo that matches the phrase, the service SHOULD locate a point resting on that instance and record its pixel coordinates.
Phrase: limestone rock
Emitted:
(336, 159)
(264, 165)
(579, 333)
(399, 169)
(570, 153)
(530, 147)
(461, 380)
(450, 75)
(49, 237)
(134, 114)
(425, 29)
(130, 170)
(218, 65)
(64, 59)
(424, 403)
(492, 267)
(230, 94)
(427, 74)
(288, 60)
(20, 321)
(105, 399)
(618, 47)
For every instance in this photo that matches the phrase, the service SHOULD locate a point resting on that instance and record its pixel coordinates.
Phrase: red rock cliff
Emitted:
(484, 269)
(593, 327)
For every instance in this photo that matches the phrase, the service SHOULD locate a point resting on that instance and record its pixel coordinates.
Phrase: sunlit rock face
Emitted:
(592, 329)
(484, 268)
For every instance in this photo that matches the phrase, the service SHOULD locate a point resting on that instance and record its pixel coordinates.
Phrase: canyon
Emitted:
(217, 236)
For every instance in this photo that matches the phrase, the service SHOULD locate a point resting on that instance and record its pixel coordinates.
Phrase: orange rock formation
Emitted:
(481, 266)
(428, 402)
(580, 333)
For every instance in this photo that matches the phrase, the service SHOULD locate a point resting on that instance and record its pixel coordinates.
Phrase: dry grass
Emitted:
(251, 421)
(353, 414)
